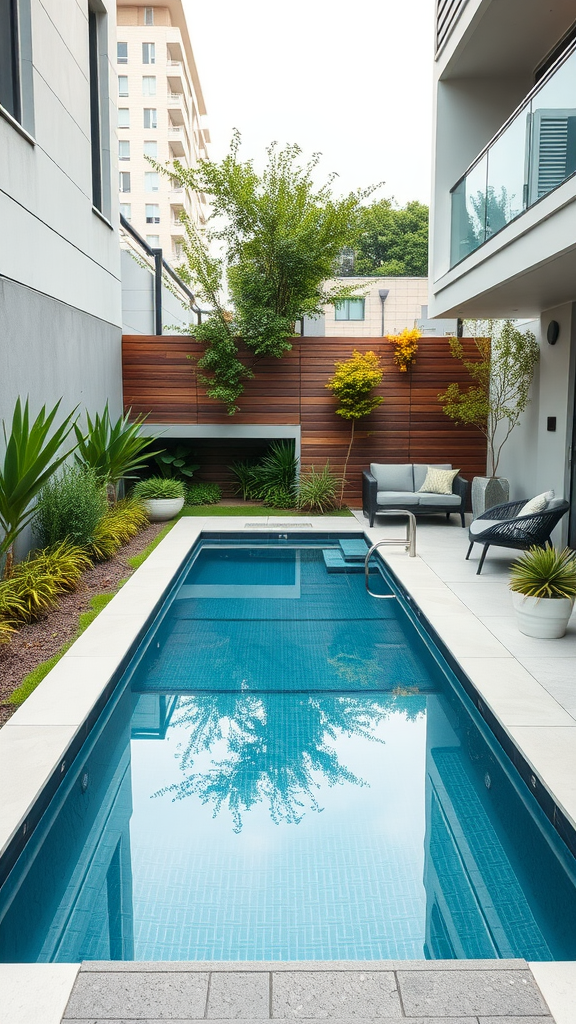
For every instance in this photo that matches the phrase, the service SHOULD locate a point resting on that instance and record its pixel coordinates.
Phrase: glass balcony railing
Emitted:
(532, 154)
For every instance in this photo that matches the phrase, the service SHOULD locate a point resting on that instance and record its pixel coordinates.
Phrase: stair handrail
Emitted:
(409, 545)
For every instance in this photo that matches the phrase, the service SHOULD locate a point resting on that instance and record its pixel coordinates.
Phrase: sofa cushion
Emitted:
(479, 526)
(421, 470)
(397, 499)
(438, 481)
(393, 478)
(537, 504)
(428, 498)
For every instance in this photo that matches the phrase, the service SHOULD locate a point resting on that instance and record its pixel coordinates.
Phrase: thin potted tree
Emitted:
(495, 401)
(543, 585)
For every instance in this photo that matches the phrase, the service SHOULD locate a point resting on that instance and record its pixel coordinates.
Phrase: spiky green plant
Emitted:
(159, 487)
(35, 583)
(31, 457)
(545, 572)
(246, 474)
(115, 451)
(317, 490)
(121, 522)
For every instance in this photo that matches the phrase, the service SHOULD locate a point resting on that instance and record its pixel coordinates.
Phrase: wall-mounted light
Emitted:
(553, 332)
(383, 293)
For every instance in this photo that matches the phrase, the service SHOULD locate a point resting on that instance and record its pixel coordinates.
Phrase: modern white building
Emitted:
(60, 297)
(384, 305)
(161, 115)
(503, 225)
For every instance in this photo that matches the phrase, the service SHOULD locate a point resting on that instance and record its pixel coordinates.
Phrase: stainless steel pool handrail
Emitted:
(409, 544)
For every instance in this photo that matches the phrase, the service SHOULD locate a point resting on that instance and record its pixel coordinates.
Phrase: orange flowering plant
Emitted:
(406, 345)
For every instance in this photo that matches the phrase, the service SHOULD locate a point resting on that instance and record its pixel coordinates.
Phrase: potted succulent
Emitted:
(543, 584)
(162, 497)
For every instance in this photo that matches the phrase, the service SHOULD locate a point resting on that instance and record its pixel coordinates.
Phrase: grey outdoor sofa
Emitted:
(386, 486)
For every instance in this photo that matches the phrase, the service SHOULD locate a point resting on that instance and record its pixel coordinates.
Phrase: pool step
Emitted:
(353, 549)
(335, 562)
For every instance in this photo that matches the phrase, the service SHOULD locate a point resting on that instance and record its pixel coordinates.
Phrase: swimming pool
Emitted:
(289, 770)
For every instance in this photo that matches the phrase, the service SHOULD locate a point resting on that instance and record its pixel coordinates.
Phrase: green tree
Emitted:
(353, 384)
(502, 378)
(279, 236)
(391, 241)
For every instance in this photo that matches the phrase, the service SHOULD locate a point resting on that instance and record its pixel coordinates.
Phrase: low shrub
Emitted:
(70, 506)
(7, 627)
(159, 487)
(280, 497)
(122, 521)
(317, 490)
(34, 585)
(203, 494)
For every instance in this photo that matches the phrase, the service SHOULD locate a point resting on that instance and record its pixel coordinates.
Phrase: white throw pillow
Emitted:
(439, 481)
(537, 504)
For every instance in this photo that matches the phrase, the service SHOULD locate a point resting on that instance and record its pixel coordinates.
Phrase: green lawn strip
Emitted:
(136, 561)
(251, 511)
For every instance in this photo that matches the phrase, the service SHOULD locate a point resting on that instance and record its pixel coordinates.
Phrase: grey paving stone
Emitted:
(333, 1020)
(444, 993)
(516, 1020)
(322, 994)
(122, 996)
(233, 995)
(242, 966)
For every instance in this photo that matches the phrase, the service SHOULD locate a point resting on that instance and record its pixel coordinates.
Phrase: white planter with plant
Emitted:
(495, 401)
(543, 584)
(162, 497)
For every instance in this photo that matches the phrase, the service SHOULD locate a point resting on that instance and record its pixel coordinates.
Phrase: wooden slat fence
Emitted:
(160, 380)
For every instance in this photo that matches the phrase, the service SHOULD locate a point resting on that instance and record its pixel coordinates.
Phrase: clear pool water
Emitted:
(288, 771)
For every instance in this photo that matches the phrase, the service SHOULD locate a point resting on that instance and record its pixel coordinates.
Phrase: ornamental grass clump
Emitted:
(405, 347)
(545, 572)
(352, 385)
(35, 584)
(159, 487)
(317, 490)
(118, 525)
(70, 505)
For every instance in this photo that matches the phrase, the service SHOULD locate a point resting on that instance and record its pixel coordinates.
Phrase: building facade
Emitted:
(160, 116)
(384, 305)
(503, 225)
(60, 296)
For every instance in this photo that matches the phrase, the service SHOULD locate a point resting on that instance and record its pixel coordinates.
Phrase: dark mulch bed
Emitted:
(35, 643)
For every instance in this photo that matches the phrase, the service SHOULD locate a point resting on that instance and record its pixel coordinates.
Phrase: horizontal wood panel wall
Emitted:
(160, 380)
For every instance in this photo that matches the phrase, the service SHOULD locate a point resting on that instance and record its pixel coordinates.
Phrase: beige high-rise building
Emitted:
(160, 115)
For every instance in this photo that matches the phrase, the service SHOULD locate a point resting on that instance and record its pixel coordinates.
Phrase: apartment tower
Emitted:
(160, 112)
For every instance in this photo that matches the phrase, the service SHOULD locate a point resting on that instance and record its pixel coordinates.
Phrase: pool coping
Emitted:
(38, 743)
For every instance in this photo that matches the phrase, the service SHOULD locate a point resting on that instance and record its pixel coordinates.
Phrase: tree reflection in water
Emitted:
(280, 747)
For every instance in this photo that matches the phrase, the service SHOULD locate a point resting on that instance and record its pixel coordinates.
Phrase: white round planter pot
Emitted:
(543, 617)
(161, 509)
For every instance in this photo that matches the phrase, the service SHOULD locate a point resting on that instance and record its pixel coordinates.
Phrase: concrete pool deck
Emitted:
(528, 685)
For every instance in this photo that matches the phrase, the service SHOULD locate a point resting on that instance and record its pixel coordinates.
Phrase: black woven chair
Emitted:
(514, 531)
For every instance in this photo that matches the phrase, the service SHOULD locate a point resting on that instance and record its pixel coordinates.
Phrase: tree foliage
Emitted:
(280, 236)
(353, 384)
(502, 378)
(391, 241)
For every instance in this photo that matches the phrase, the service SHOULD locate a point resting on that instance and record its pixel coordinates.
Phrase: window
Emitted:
(99, 107)
(153, 241)
(148, 53)
(124, 181)
(151, 149)
(152, 213)
(148, 15)
(151, 181)
(123, 150)
(126, 210)
(349, 309)
(148, 85)
(123, 117)
(122, 53)
(122, 85)
(150, 118)
(16, 61)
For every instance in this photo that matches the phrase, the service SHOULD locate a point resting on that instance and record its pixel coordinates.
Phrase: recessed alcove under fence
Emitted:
(287, 398)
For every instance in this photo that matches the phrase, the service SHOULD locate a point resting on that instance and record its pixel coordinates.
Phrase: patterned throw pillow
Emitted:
(537, 504)
(439, 481)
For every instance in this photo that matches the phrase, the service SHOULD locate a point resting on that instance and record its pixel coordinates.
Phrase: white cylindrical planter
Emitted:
(543, 617)
(161, 509)
(488, 491)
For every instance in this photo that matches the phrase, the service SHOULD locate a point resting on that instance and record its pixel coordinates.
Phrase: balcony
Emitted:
(532, 154)
(175, 75)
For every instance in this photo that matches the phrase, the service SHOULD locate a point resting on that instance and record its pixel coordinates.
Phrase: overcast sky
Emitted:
(352, 80)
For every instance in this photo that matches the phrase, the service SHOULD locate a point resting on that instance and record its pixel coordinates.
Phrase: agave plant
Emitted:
(114, 450)
(545, 572)
(31, 457)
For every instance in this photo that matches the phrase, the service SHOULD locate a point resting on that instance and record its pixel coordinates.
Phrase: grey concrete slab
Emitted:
(467, 992)
(329, 994)
(135, 966)
(515, 1020)
(334, 1020)
(235, 995)
(136, 997)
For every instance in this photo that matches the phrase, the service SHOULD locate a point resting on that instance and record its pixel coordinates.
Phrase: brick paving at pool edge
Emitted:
(406, 992)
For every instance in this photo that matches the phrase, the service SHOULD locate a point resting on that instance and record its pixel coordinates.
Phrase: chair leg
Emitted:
(448, 517)
(482, 557)
(469, 552)
(372, 516)
(463, 520)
